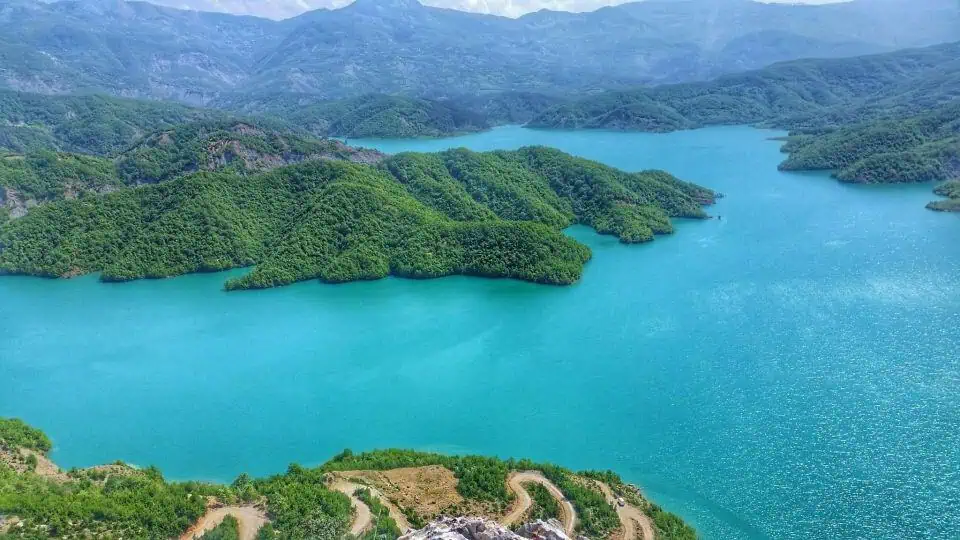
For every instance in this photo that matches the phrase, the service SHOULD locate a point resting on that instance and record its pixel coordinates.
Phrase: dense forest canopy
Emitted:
(90, 124)
(240, 146)
(495, 214)
(45, 175)
(918, 148)
(104, 125)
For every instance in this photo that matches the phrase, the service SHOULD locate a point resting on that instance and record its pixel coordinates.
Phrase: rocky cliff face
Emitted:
(13, 202)
(478, 528)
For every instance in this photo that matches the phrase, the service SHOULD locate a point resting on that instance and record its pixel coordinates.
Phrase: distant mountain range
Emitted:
(807, 95)
(283, 9)
(136, 49)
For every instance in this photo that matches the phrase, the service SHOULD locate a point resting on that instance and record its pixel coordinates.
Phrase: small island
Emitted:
(378, 494)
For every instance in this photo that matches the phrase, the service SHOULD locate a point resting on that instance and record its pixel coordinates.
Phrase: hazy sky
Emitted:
(279, 9)
(514, 8)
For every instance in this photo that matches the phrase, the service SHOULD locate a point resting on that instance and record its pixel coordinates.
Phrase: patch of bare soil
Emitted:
(635, 524)
(249, 519)
(101, 473)
(7, 523)
(568, 515)
(19, 459)
(429, 491)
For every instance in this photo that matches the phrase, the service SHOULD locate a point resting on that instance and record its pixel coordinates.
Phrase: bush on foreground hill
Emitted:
(15, 433)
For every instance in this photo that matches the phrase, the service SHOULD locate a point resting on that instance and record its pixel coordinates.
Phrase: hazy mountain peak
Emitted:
(384, 6)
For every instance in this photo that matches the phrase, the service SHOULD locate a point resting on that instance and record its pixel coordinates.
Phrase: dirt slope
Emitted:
(516, 480)
(630, 517)
(364, 519)
(249, 518)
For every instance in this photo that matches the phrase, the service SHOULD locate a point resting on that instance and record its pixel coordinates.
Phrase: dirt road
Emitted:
(630, 517)
(516, 480)
(364, 518)
(249, 519)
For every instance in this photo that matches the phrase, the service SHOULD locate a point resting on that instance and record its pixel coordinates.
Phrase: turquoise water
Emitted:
(789, 371)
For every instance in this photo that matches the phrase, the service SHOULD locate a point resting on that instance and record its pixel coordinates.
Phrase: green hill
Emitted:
(372, 115)
(243, 147)
(240, 145)
(807, 94)
(45, 176)
(99, 125)
(495, 214)
(950, 190)
(921, 148)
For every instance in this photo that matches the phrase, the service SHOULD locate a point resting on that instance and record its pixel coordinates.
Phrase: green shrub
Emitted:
(228, 529)
(15, 433)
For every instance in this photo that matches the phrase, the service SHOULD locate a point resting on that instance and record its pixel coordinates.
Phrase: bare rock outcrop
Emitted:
(478, 528)
(544, 530)
(462, 528)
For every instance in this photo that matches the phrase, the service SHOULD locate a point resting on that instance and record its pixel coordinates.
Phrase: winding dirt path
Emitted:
(516, 480)
(364, 519)
(630, 517)
(249, 519)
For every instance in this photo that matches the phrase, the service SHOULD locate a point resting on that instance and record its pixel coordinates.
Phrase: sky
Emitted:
(515, 8)
(279, 9)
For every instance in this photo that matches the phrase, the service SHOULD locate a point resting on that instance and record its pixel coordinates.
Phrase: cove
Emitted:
(789, 371)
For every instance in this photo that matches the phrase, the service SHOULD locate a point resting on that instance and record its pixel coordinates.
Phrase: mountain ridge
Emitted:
(137, 49)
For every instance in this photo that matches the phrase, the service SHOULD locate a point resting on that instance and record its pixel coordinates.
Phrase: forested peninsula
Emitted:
(38, 500)
(920, 148)
(209, 197)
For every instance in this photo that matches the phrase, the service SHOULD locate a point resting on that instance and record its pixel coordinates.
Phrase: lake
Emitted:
(791, 370)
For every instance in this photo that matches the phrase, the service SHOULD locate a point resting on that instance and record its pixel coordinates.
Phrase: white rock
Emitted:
(544, 530)
(478, 528)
